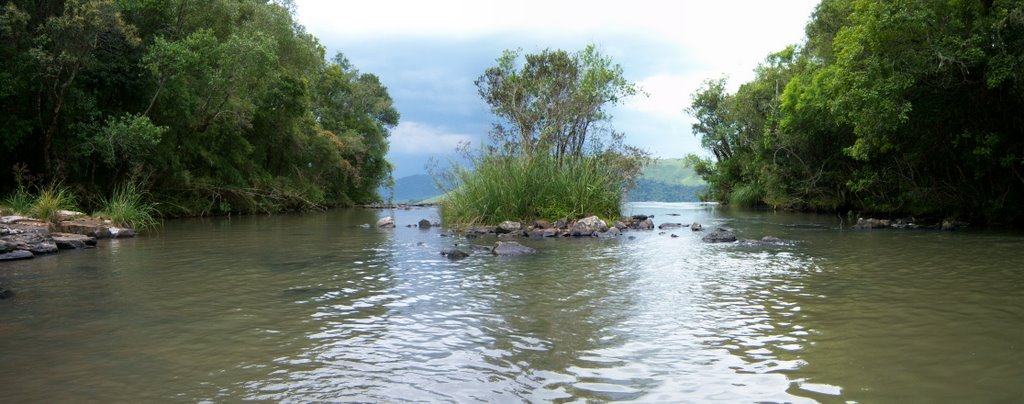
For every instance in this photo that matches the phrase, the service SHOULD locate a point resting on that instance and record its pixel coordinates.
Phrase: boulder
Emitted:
(454, 253)
(85, 227)
(612, 232)
(639, 218)
(67, 241)
(505, 248)
(509, 226)
(668, 226)
(562, 224)
(696, 227)
(424, 224)
(646, 224)
(620, 225)
(386, 222)
(719, 237)
(16, 255)
(588, 226)
(118, 232)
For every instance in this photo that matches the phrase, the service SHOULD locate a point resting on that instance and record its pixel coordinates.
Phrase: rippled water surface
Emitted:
(312, 308)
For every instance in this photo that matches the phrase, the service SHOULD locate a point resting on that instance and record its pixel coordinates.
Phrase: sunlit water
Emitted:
(311, 308)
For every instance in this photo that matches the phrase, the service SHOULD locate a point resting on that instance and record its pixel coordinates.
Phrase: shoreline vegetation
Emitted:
(888, 108)
(208, 108)
(228, 107)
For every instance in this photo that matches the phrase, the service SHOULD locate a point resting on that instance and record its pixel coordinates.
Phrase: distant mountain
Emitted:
(667, 180)
(413, 188)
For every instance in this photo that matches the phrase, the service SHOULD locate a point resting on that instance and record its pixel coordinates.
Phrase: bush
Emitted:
(127, 207)
(503, 188)
(51, 200)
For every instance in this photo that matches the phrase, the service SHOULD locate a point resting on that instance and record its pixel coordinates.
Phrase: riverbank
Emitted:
(25, 237)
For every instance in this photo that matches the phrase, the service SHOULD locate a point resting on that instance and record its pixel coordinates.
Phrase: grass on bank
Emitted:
(500, 188)
(128, 207)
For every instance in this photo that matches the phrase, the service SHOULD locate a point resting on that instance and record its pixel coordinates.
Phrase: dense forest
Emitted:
(212, 107)
(888, 107)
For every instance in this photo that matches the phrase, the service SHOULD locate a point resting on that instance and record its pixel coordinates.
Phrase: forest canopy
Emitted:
(895, 107)
(214, 106)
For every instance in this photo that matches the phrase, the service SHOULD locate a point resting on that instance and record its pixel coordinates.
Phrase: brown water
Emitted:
(310, 308)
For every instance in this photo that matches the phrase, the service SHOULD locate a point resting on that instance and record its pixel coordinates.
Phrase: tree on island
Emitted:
(553, 152)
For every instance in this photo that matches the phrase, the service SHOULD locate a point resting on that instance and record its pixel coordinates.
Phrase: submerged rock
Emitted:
(505, 248)
(423, 224)
(454, 253)
(5, 293)
(669, 226)
(386, 222)
(871, 223)
(719, 237)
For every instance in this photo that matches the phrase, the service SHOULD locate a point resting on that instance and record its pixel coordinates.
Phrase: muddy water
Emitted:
(312, 308)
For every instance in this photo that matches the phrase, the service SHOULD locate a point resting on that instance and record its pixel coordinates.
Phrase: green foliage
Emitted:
(226, 105)
(128, 207)
(889, 106)
(554, 101)
(500, 188)
(51, 200)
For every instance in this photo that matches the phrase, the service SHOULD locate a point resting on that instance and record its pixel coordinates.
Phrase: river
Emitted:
(312, 308)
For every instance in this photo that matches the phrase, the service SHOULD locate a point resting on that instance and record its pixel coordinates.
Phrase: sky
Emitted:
(428, 53)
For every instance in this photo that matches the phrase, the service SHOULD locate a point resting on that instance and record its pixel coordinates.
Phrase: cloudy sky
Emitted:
(428, 53)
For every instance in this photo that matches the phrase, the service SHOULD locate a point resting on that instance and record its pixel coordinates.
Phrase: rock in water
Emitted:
(696, 227)
(588, 226)
(667, 226)
(719, 237)
(511, 248)
(67, 241)
(509, 226)
(424, 224)
(386, 222)
(454, 253)
(5, 293)
(16, 255)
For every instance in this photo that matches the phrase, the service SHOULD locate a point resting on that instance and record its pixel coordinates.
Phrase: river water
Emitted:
(311, 308)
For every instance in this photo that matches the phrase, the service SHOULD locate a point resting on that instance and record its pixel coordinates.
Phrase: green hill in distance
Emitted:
(667, 180)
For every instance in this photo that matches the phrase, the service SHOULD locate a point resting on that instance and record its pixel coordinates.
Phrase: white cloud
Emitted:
(668, 47)
(422, 138)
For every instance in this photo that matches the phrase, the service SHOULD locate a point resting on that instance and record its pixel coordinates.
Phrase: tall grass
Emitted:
(51, 200)
(500, 188)
(19, 203)
(128, 207)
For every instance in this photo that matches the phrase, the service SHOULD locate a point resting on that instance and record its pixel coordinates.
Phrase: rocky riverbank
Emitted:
(24, 237)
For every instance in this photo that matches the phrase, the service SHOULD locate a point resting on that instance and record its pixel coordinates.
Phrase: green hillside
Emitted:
(672, 171)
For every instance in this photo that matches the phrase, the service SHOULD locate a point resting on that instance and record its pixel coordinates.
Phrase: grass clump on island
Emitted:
(500, 188)
(553, 153)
